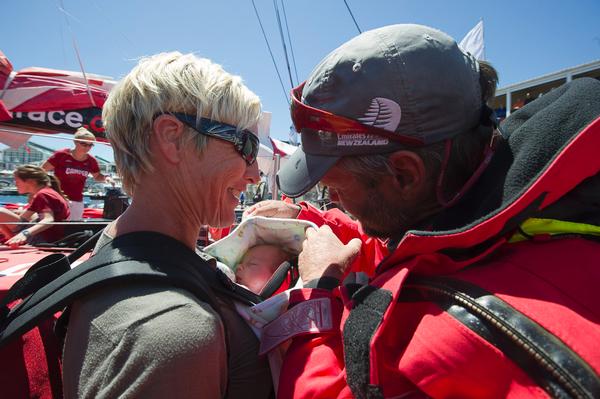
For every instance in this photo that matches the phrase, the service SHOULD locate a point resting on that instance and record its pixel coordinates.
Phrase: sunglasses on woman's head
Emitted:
(85, 144)
(245, 142)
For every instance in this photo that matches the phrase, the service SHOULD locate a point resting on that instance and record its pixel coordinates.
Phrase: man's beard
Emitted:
(381, 219)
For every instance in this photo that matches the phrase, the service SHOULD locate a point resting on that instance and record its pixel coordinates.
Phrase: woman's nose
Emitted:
(252, 173)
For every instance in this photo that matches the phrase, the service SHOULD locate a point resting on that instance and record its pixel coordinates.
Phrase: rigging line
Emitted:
(51, 135)
(287, 61)
(287, 27)
(112, 23)
(62, 42)
(61, 8)
(271, 52)
(87, 84)
(352, 15)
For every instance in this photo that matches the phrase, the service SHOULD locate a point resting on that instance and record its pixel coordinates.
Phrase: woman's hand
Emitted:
(273, 209)
(16, 240)
(45, 222)
(324, 255)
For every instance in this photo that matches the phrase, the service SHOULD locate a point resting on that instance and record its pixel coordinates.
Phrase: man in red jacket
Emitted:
(490, 286)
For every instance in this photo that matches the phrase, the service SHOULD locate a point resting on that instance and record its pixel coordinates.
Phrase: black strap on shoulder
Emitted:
(369, 305)
(134, 257)
(279, 277)
(85, 247)
(43, 272)
(70, 241)
(544, 357)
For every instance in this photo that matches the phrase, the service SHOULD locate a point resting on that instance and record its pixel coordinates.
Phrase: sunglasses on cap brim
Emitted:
(312, 122)
(245, 142)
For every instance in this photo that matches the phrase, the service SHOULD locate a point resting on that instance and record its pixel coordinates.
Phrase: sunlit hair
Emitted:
(171, 82)
(84, 134)
(39, 175)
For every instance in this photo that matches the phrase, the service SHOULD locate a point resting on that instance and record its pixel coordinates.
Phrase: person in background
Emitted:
(490, 289)
(261, 189)
(263, 177)
(242, 199)
(46, 204)
(72, 166)
(183, 135)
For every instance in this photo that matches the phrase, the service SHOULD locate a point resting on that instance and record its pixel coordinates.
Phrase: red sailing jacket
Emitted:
(373, 250)
(466, 312)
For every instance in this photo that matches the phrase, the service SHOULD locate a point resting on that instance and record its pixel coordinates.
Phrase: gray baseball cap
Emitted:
(388, 86)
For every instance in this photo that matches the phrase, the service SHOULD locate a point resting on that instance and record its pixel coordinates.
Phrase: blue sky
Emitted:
(523, 39)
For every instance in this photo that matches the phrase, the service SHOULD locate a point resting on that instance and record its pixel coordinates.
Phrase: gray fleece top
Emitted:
(145, 341)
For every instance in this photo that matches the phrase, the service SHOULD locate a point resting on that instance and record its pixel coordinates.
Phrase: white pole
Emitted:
(483, 37)
(508, 103)
(277, 160)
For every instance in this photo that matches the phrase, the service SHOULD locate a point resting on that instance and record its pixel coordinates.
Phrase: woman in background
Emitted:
(72, 166)
(46, 204)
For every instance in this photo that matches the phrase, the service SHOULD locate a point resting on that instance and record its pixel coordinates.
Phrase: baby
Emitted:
(258, 265)
(253, 251)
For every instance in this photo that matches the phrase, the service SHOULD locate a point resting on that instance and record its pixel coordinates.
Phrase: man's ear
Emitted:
(167, 132)
(409, 173)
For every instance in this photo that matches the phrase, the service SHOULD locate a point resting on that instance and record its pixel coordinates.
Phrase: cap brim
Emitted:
(302, 171)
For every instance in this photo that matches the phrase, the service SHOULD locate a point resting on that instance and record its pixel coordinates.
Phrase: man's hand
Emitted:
(324, 255)
(273, 209)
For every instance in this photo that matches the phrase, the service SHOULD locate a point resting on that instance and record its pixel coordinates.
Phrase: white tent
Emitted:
(270, 148)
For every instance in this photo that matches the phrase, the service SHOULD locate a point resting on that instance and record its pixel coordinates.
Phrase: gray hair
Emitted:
(171, 82)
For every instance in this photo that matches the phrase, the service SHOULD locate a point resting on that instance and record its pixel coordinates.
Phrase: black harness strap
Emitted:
(139, 257)
(370, 304)
(44, 272)
(554, 366)
(124, 259)
(544, 357)
(279, 276)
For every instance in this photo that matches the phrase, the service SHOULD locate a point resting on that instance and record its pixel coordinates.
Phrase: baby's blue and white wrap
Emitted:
(257, 230)
(289, 234)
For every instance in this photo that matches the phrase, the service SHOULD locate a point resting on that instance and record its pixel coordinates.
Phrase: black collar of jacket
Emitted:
(535, 136)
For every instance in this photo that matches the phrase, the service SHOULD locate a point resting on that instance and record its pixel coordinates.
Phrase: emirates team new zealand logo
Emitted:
(328, 139)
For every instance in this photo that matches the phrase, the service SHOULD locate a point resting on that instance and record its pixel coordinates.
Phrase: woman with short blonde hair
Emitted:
(183, 135)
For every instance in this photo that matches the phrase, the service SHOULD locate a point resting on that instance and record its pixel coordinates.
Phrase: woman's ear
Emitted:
(409, 173)
(167, 132)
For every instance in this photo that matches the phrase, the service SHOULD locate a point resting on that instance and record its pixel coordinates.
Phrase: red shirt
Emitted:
(47, 200)
(72, 173)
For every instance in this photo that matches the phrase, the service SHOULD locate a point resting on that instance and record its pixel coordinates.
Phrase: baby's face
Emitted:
(258, 264)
